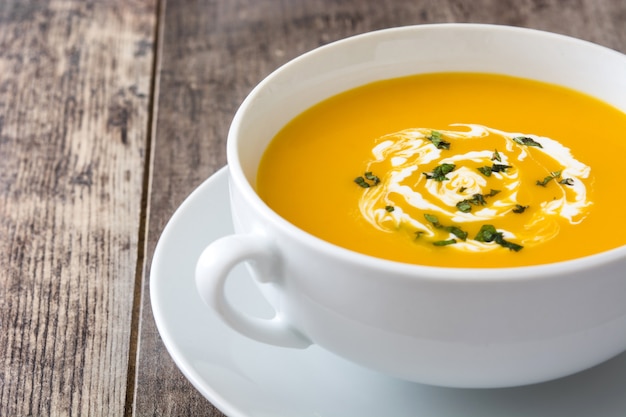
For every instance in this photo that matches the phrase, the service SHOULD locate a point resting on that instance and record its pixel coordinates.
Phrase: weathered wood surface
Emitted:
(213, 53)
(75, 85)
(89, 167)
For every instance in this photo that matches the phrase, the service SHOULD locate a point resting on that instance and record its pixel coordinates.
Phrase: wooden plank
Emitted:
(75, 84)
(215, 51)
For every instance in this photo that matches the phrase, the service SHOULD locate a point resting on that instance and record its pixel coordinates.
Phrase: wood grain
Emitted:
(75, 131)
(75, 85)
(213, 53)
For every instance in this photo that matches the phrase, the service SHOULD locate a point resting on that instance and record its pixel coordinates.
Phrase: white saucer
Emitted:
(246, 378)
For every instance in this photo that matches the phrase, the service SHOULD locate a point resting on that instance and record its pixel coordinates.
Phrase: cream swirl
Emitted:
(482, 182)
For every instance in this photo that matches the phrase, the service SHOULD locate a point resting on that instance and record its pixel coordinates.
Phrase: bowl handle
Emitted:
(212, 270)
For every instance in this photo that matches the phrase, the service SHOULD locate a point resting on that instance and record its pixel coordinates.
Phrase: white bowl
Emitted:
(458, 327)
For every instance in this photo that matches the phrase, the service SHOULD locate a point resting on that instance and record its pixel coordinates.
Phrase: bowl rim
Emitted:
(238, 178)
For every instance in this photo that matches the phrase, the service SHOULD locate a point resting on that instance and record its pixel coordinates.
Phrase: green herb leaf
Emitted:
(464, 206)
(496, 156)
(432, 219)
(500, 167)
(546, 180)
(457, 231)
(509, 245)
(492, 192)
(462, 189)
(525, 140)
(368, 176)
(486, 171)
(439, 173)
(372, 178)
(567, 181)
(478, 200)
(444, 242)
(389, 208)
(519, 209)
(487, 233)
(361, 182)
(437, 140)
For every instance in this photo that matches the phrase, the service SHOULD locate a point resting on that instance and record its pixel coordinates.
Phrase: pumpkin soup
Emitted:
(454, 169)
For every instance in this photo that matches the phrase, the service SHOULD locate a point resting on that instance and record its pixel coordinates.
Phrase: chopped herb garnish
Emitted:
(437, 140)
(519, 209)
(486, 171)
(462, 189)
(363, 181)
(372, 178)
(492, 192)
(500, 167)
(457, 231)
(418, 234)
(488, 234)
(444, 242)
(525, 140)
(464, 206)
(496, 156)
(509, 245)
(478, 200)
(567, 181)
(546, 180)
(389, 208)
(432, 219)
(439, 173)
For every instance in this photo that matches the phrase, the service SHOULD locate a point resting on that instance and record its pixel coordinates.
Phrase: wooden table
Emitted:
(111, 113)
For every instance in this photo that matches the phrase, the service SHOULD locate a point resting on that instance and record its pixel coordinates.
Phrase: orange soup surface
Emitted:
(454, 169)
